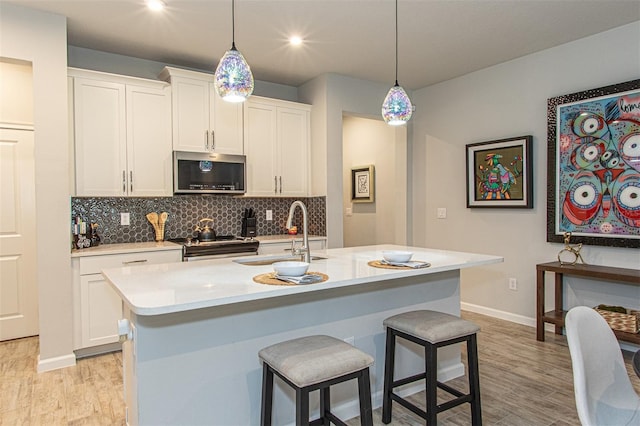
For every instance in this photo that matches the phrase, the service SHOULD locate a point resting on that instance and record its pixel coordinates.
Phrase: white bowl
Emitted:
(291, 268)
(397, 256)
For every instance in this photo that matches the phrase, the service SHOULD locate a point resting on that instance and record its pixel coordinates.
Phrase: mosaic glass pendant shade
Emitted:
(397, 108)
(233, 77)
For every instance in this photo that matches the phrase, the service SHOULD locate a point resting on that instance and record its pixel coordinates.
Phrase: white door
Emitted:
(18, 287)
(149, 161)
(260, 148)
(293, 152)
(190, 115)
(226, 119)
(100, 138)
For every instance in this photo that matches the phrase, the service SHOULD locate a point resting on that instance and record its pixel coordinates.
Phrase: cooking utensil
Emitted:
(162, 221)
(205, 230)
(153, 219)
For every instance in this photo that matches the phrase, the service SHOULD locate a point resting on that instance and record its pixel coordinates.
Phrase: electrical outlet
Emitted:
(349, 211)
(350, 340)
(124, 219)
(441, 213)
(513, 284)
(269, 214)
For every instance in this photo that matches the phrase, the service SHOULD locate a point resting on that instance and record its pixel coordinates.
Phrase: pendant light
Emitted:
(233, 78)
(397, 108)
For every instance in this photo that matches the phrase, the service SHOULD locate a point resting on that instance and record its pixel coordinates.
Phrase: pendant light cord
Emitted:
(396, 42)
(233, 24)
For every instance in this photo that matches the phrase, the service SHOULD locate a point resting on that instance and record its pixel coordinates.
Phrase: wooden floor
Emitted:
(522, 381)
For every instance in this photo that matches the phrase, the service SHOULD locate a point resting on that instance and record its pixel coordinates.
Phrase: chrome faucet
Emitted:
(304, 251)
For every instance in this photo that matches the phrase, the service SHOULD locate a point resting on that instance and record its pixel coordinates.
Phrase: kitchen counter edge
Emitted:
(105, 249)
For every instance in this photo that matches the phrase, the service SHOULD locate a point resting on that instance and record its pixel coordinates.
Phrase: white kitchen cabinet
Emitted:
(122, 135)
(284, 247)
(202, 121)
(276, 143)
(97, 307)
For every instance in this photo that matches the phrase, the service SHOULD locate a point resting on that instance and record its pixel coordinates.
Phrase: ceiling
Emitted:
(438, 39)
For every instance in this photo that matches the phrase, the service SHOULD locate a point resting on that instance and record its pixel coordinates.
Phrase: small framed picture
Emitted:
(500, 174)
(362, 184)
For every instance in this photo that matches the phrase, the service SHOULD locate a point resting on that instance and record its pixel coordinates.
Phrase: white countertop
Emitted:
(176, 287)
(285, 238)
(103, 249)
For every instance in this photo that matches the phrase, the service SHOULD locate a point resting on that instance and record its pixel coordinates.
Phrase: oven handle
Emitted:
(217, 256)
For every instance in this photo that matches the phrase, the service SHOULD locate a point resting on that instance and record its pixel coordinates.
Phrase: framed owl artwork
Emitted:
(593, 166)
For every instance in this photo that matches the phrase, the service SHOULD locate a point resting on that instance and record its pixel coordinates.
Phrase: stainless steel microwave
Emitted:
(208, 173)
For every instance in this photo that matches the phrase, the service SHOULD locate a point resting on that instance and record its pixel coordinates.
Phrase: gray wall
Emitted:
(503, 101)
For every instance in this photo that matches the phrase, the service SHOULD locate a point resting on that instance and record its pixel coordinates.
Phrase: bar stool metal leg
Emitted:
(474, 381)
(364, 391)
(389, 362)
(431, 369)
(302, 407)
(325, 405)
(267, 395)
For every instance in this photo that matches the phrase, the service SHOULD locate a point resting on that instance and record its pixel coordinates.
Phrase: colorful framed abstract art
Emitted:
(362, 184)
(500, 174)
(593, 166)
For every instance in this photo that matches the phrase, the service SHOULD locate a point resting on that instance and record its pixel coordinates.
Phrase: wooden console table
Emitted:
(622, 275)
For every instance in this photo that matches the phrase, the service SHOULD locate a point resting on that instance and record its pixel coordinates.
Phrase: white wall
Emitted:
(41, 38)
(367, 141)
(503, 101)
(333, 96)
(96, 60)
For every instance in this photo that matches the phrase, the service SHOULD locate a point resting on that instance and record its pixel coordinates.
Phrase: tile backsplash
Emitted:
(186, 210)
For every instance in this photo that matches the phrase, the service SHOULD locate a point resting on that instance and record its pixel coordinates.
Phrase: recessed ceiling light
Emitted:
(295, 40)
(155, 5)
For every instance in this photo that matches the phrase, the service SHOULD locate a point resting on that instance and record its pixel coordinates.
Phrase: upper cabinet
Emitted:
(202, 121)
(276, 143)
(122, 134)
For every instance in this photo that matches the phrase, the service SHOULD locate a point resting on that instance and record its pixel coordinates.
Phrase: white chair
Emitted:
(604, 394)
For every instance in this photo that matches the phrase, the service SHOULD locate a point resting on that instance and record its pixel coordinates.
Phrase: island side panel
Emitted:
(202, 366)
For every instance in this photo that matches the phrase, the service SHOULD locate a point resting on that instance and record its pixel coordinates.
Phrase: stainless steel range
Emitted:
(222, 246)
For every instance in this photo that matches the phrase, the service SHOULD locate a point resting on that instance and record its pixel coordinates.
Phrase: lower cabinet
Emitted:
(282, 247)
(97, 307)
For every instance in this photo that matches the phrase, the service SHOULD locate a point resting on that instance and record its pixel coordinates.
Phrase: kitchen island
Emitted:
(198, 327)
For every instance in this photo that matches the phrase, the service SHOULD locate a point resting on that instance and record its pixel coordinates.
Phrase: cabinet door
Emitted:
(226, 127)
(293, 155)
(260, 148)
(100, 138)
(101, 308)
(149, 154)
(191, 114)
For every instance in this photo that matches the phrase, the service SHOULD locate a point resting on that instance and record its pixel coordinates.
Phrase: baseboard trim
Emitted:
(531, 322)
(56, 363)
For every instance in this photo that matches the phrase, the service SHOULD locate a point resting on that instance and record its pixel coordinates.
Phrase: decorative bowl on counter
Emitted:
(291, 268)
(397, 256)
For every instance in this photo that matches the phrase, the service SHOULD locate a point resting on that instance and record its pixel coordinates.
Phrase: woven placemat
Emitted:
(379, 264)
(268, 278)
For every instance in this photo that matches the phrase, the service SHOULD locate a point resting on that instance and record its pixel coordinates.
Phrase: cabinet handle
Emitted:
(131, 180)
(280, 184)
(124, 182)
(213, 141)
(134, 261)
(275, 184)
(206, 140)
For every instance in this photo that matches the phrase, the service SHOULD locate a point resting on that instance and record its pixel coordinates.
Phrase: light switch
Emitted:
(442, 213)
(349, 211)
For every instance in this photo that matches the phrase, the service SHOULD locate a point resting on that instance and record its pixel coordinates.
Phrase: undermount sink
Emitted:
(261, 261)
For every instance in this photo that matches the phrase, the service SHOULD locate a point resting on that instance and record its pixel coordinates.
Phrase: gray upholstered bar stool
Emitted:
(431, 330)
(310, 363)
